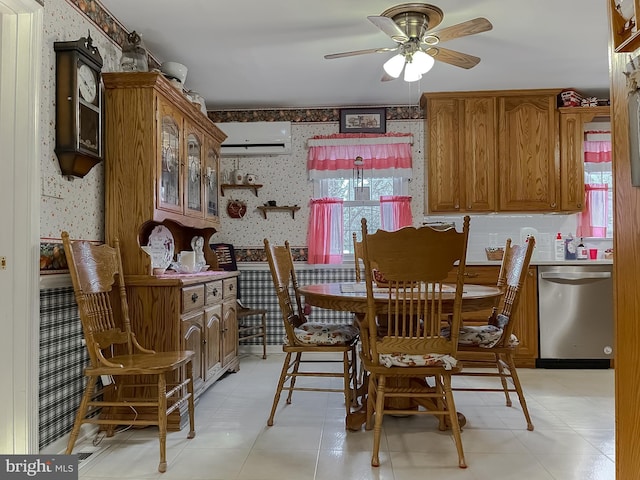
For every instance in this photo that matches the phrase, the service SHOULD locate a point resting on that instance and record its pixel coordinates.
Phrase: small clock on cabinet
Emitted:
(78, 106)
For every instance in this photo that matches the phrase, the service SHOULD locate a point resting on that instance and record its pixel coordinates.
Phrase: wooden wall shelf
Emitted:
(232, 186)
(293, 209)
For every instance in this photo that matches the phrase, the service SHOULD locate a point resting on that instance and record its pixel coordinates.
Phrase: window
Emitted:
(361, 199)
(601, 174)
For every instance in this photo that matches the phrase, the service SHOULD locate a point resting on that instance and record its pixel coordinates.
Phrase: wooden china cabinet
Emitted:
(161, 170)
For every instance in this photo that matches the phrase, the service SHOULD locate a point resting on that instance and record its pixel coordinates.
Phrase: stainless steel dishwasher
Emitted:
(575, 311)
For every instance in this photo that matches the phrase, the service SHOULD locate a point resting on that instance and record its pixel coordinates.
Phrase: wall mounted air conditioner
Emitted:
(255, 138)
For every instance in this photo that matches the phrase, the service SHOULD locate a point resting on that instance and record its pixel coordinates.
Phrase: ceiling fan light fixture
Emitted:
(423, 61)
(394, 65)
(412, 72)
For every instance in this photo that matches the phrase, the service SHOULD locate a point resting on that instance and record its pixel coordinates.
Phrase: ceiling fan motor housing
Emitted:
(415, 19)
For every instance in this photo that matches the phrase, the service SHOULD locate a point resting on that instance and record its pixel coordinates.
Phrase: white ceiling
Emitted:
(269, 54)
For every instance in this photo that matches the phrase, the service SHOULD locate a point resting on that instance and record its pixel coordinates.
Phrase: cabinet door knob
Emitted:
(215, 292)
(231, 287)
(553, 204)
(194, 297)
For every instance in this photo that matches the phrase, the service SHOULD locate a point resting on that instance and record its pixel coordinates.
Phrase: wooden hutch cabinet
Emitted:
(492, 151)
(162, 168)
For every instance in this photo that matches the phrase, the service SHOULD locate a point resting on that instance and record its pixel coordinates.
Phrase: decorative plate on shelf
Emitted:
(162, 246)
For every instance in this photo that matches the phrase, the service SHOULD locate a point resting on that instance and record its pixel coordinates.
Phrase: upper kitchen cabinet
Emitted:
(461, 162)
(161, 165)
(572, 131)
(528, 162)
(492, 151)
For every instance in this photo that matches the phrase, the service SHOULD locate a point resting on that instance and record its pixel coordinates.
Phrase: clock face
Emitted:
(87, 84)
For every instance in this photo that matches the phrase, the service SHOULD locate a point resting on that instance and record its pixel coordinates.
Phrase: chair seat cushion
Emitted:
(485, 336)
(325, 333)
(408, 360)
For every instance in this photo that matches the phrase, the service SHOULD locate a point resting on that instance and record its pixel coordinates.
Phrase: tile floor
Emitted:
(572, 410)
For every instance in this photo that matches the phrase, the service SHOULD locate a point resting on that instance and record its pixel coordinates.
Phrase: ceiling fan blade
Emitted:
(471, 27)
(360, 52)
(387, 78)
(389, 27)
(459, 59)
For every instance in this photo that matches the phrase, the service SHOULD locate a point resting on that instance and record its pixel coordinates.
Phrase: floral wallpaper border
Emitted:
(306, 114)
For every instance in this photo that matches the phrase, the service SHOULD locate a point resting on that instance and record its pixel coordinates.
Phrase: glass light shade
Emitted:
(412, 72)
(423, 61)
(394, 65)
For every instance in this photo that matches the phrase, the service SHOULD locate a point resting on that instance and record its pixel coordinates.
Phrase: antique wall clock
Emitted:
(78, 106)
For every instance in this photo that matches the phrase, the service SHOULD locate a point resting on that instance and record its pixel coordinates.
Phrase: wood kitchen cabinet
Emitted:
(572, 121)
(525, 315)
(461, 154)
(492, 151)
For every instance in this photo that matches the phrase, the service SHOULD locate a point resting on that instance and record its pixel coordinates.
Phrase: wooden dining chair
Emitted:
(303, 336)
(116, 358)
(402, 343)
(493, 344)
(252, 321)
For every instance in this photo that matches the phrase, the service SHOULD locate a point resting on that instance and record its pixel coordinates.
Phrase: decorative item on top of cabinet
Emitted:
(572, 121)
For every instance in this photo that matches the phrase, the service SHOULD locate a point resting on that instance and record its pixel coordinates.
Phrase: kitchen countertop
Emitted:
(535, 262)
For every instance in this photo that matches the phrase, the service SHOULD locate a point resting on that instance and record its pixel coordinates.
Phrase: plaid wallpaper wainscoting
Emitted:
(62, 359)
(258, 292)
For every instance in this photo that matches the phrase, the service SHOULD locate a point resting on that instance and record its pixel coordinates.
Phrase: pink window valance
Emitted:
(597, 151)
(332, 156)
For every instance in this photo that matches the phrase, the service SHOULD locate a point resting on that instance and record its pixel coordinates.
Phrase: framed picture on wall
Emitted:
(363, 120)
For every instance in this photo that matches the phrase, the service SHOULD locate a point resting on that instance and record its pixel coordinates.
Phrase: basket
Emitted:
(494, 253)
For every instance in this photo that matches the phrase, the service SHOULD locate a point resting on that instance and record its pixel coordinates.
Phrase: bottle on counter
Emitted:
(559, 247)
(569, 248)
(581, 251)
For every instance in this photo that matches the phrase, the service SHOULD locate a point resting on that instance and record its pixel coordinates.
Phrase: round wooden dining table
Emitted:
(352, 297)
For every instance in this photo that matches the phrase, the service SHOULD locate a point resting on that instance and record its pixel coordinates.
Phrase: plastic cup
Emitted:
(593, 253)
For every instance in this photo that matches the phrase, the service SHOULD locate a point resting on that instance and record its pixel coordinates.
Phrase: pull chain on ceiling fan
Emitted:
(410, 26)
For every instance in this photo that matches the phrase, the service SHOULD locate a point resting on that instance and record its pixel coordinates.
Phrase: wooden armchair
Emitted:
(496, 337)
(303, 336)
(402, 341)
(114, 352)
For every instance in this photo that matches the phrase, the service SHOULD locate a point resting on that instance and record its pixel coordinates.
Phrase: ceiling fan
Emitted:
(410, 26)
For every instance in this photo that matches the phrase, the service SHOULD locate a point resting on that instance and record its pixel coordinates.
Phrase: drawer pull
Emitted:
(194, 297)
(215, 292)
(231, 287)
(470, 275)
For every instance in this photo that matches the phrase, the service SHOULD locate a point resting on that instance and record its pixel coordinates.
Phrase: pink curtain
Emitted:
(395, 212)
(324, 237)
(333, 155)
(592, 221)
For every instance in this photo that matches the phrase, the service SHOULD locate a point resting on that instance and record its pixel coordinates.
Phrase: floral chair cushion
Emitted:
(485, 336)
(325, 333)
(408, 360)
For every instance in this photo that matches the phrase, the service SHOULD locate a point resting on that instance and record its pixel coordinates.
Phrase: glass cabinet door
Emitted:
(193, 180)
(169, 183)
(211, 180)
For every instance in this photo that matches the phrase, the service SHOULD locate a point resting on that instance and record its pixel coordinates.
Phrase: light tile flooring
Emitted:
(572, 410)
